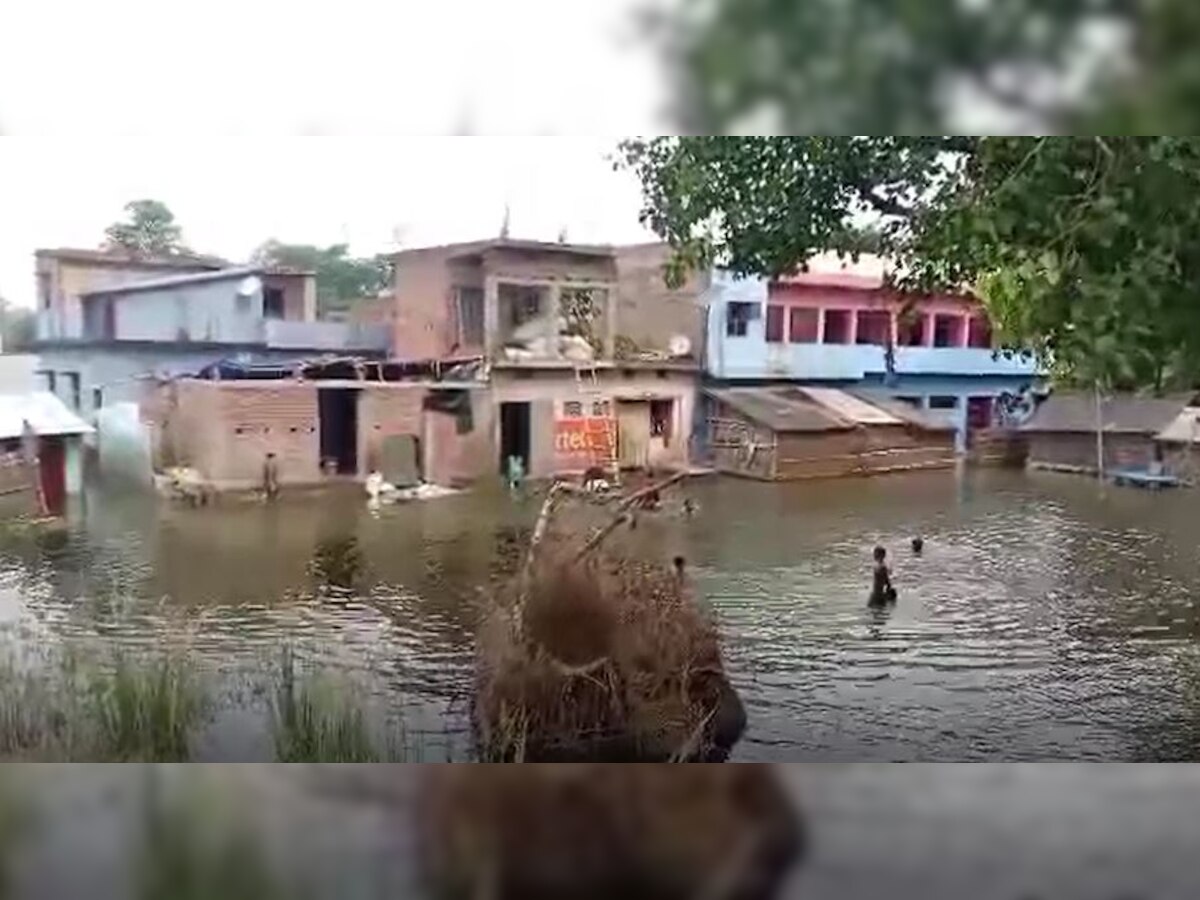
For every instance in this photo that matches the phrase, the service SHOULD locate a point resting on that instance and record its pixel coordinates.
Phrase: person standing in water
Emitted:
(918, 544)
(270, 477)
(881, 587)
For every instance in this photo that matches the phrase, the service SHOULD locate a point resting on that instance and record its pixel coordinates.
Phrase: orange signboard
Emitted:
(583, 442)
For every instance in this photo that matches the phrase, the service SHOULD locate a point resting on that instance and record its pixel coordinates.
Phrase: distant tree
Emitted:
(17, 327)
(341, 278)
(149, 229)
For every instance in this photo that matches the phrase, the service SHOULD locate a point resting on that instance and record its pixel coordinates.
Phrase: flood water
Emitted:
(1044, 620)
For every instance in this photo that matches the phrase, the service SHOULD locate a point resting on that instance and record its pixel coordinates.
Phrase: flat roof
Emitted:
(124, 258)
(170, 281)
(472, 248)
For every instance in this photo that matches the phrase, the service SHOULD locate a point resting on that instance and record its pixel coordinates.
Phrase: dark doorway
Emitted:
(273, 307)
(514, 434)
(337, 409)
(52, 457)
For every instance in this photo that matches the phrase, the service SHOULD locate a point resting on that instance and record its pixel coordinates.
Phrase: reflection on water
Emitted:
(1043, 619)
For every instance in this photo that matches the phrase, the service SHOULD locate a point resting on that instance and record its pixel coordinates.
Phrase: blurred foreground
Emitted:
(931, 832)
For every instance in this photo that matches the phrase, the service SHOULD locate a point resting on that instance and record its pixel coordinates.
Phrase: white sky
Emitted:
(200, 104)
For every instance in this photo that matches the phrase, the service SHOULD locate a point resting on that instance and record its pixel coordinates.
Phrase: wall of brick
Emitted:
(453, 459)
(386, 410)
(547, 389)
(421, 287)
(648, 312)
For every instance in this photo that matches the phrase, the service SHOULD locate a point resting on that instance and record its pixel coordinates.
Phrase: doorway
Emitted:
(514, 434)
(633, 433)
(52, 460)
(337, 411)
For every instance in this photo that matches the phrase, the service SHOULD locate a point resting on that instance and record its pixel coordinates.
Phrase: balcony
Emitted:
(333, 337)
(751, 357)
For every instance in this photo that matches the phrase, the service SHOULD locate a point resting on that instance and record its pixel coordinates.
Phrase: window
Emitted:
(946, 331)
(979, 332)
(804, 327)
(45, 298)
(911, 330)
(73, 392)
(738, 316)
(573, 409)
(470, 316)
(661, 416)
(774, 324)
(97, 398)
(600, 409)
(943, 402)
(837, 326)
(911, 401)
(273, 307)
(874, 327)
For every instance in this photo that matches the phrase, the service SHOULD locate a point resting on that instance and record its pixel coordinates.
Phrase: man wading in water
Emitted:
(882, 591)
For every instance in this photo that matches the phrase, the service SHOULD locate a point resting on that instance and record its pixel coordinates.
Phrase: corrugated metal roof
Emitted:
(901, 409)
(45, 413)
(1068, 412)
(1185, 429)
(850, 407)
(780, 409)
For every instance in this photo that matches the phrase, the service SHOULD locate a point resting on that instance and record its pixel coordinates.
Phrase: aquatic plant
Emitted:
(315, 720)
(125, 712)
(145, 712)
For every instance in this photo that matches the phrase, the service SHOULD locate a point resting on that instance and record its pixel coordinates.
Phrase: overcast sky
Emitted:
(200, 105)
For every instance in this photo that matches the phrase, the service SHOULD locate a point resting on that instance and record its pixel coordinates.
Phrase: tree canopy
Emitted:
(1082, 249)
(869, 66)
(17, 327)
(341, 278)
(149, 229)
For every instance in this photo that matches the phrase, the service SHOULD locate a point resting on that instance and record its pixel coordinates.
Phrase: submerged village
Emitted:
(641, 500)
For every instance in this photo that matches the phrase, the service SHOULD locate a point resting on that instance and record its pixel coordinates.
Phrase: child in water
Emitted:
(881, 587)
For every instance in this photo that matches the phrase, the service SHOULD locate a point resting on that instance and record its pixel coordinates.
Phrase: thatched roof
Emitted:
(1067, 412)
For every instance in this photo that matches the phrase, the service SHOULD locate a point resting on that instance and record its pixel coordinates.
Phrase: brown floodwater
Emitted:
(1045, 619)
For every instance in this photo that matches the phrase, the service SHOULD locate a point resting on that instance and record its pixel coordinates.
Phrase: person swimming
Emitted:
(881, 586)
(918, 544)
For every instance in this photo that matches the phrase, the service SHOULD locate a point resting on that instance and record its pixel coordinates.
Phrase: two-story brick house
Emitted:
(588, 356)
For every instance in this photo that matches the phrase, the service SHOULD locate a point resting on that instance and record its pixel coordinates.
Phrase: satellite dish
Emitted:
(249, 286)
(679, 345)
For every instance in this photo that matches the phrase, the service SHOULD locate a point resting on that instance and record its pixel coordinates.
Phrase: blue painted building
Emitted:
(105, 323)
(838, 325)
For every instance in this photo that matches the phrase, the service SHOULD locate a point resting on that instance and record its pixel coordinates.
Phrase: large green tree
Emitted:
(920, 66)
(148, 229)
(1082, 248)
(341, 278)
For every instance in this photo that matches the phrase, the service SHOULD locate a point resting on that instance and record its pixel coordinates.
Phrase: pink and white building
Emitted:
(838, 324)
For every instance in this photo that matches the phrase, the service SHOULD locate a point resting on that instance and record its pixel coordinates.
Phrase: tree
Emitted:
(1082, 248)
(149, 229)
(341, 278)
(17, 328)
(869, 66)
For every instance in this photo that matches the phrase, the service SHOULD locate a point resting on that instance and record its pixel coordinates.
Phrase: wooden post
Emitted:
(1099, 433)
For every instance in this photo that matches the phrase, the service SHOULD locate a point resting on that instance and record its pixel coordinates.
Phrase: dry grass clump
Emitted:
(602, 831)
(607, 659)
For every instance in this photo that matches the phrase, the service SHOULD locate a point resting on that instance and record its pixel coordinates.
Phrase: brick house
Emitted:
(588, 354)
